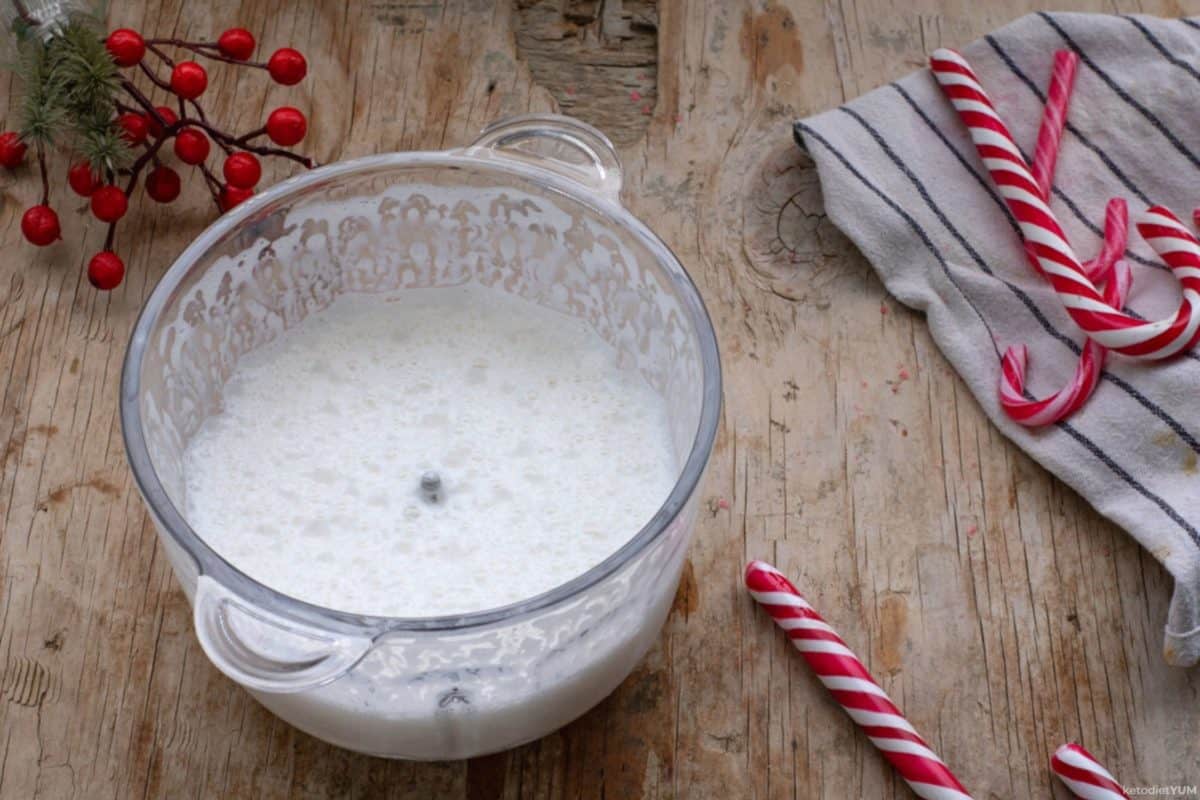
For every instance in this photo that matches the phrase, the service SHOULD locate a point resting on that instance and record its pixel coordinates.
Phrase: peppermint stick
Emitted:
(1083, 775)
(852, 685)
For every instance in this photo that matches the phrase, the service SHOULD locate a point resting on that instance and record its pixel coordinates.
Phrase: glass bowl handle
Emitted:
(265, 652)
(559, 143)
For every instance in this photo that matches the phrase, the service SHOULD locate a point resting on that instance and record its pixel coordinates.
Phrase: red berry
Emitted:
(109, 203)
(237, 43)
(169, 117)
(83, 181)
(286, 126)
(134, 127)
(287, 66)
(40, 225)
(191, 146)
(126, 47)
(242, 170)
(162, 184)
(234, 195)
(106, 270)
(12, 150)
(189, 80)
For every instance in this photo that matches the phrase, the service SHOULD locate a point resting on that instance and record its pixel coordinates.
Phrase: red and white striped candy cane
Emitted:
(1109, 326)
(1071, 397)
(1083, 775)
(1174, 243)
(1116, 236)
(852, 685)
(1054, 119)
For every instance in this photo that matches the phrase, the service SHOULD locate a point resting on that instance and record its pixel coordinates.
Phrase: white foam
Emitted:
(551, 455)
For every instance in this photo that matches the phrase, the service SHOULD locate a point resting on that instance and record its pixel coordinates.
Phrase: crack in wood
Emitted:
(598, 58)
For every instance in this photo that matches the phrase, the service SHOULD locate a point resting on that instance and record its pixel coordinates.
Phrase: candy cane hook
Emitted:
(1055, 258)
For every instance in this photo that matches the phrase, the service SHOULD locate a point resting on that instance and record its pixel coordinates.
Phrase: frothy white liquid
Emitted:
(550, 455)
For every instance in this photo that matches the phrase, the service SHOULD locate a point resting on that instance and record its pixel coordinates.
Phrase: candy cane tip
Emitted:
(1017, 352)
(946, 55)
(760, 566)
(1065, 57)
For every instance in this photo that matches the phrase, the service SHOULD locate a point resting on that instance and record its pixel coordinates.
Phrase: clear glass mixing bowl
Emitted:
(531, 208)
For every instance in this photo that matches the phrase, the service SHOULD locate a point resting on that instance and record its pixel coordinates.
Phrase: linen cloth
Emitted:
(901, 178)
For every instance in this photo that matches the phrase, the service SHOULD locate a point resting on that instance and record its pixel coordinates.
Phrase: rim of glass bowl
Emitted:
(210, 563)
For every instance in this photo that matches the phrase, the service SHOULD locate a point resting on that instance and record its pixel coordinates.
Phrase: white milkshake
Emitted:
(423, 437)
(542, 456)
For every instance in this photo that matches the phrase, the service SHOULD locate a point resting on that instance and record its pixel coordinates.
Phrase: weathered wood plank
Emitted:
(1001, 612)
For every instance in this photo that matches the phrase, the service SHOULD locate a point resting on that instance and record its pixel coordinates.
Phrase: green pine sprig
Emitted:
(42, 111)
(70, 84)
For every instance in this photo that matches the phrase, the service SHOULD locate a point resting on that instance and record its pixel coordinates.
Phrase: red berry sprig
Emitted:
(84, 182)
(127, 47)
(163, 184)
(109, 203)
(287, 66)
(161, 118)
(191, 146)
(242, 170)
(12, 150)
(236, 43)
(40, 225)
(106, 270)
(134, 127)
(147, 128)
(189, 80)
(286, 126)
(234, 195)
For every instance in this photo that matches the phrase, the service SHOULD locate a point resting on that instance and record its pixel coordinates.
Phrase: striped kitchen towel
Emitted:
(902, 180)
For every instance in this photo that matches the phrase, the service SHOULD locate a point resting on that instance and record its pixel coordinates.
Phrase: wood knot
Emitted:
(789, 240)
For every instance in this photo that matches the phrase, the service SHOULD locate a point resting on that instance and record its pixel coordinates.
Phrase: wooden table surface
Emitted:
(994, 605)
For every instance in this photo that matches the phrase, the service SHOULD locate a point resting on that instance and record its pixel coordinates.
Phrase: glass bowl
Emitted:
(531, 208)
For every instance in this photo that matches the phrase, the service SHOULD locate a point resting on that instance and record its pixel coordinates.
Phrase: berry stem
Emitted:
(224, 138)
(110, 236)
(222, 143)
(214, 185)
(170, 62)
(140, 163)
(143, 101)
(199, 111)
(45, 177)
(157, 81)
(243, 139)
(203, 118)
(174, 42)
(203, 49)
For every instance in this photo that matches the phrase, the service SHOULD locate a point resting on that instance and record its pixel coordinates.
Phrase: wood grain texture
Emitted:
(998, 610)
